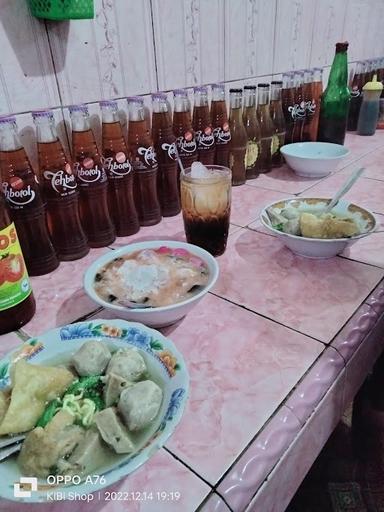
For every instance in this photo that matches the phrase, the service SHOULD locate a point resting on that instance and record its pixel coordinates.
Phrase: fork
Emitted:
(10, 445)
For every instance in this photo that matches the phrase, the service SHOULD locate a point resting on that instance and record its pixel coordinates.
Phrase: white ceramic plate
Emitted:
(317, 248)
(165, 364)
(160, 316)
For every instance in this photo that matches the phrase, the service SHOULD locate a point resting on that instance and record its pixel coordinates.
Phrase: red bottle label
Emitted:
(205, 139)
(222, 134)
(186, 144)
(62, 182)
(117, 167)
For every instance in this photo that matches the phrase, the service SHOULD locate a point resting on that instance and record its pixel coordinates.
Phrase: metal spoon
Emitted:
(133, 305)
(343, 190)
(10, 445)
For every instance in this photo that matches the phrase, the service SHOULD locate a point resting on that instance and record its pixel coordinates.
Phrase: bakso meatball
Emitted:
(127, 364)
(140, 403)
(91, 358)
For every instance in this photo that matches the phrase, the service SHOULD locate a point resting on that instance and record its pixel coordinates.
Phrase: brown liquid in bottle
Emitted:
(11, 269)
(60, 191)
(239, 138)
(92, 181)
(278, 120)
(288, 101)
(220, 125)
(253, 131)
(298, 111)
(117, 165)
(144, 163)
(313, 106)
(267, 129)
(203, 127)
(182, 128)
(164, 142)
(23, 196)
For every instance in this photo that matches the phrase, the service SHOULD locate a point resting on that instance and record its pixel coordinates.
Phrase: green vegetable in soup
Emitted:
(89, 387)
(49, 412)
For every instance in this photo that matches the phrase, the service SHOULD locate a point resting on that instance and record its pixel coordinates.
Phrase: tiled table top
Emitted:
(256, 347)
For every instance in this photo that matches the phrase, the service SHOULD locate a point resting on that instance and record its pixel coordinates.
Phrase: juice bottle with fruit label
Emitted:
(60, 191)
(17, 304)
(116, 160)
(144, 161)
(220, 125)
(164, 141)
(92, 181)
(25, 202)
(203, 127)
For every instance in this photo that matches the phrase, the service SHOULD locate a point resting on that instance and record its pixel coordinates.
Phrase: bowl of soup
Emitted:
(155, 282)
(92, 402)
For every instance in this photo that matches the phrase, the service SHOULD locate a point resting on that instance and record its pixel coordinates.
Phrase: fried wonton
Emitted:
(33, 386)
(326, 226)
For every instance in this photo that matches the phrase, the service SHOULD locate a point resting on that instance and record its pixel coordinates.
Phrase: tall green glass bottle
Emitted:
(335, 100)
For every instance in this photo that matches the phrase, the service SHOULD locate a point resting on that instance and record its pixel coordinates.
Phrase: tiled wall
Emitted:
(139, 46)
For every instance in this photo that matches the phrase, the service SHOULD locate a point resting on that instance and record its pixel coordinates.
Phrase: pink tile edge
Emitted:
(376, 299)
(247, 475)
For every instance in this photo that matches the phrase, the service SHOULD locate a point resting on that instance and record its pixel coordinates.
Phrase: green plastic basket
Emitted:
(62, 9)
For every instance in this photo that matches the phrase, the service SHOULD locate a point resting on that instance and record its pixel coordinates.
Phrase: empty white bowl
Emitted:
(313, 159)
(152, 317)
(319, 248)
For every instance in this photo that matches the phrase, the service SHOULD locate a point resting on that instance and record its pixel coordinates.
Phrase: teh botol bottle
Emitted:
(203, 127)
(253, 131)
(117, 165)
(25, 202)
(60, 191)
(335, 100)
(164, 142)
(92, 180)
(267, 128)
(17, 304)
(278, 120)
(144, 161)
(239, 138)
(182, 128)
(219, 118)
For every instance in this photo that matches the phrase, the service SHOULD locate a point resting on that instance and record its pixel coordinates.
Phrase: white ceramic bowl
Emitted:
(165, 364)
(154, 317)
(313, 159)
(318, 248)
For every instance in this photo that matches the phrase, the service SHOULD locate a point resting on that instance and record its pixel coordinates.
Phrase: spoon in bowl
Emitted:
(343, 190)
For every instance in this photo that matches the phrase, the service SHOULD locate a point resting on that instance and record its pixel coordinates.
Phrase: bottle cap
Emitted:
(78, 108)
(342, 47)
(263, 85)
(159, 96)
(108, 103)
(7, 119)
(41, 114)
(135, 99)
(374, 85)
(250, 87)
(218, 86)
(180, 92)
(235, 91)
(277, 82)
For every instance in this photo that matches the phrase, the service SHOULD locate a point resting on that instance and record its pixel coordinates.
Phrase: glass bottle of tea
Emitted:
(239, 138)
(253, 131)
(267, 128)
(335, 100)
(288, 100)
(219, 118)
(356, 87)
(298, 111)
(277, 116)
(312, 95)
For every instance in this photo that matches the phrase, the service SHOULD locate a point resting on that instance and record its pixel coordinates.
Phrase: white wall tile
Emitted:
(108, 57)
(249, 38)
(293, 34)
(373, 45)
(328, 30)
(356, 28)
(189, 37)
(27, 78)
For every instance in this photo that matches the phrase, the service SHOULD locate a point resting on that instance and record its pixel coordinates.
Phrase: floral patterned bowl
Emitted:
(166, 366)
(159, 316)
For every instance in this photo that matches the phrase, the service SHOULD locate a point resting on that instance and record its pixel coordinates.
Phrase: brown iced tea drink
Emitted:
(206, 205)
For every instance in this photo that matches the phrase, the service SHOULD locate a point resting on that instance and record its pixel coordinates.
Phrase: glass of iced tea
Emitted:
(206, 205)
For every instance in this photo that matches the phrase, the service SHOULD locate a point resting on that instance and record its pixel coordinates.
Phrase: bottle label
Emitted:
(14, 281)
(88, 173)
(355, 92)
(117, 167)
(222, 134)
(251, 154)
(18, 193)
(63, 182)
(310, 107)
(274, 144)
(147, 158)
(170, 149)
(205, 139)
(297, 110)
(186, 144)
